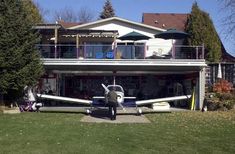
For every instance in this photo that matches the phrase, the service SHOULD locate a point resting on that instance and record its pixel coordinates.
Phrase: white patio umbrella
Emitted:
(219, 75)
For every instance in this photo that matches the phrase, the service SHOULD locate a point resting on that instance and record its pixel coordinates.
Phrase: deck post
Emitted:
(114, 48)
(145, 50)
(77, 45)
(56, 41)
(196, 52)
(203, 51)
(173, 50)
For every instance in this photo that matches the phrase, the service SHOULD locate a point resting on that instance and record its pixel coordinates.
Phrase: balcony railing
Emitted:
(72, 51)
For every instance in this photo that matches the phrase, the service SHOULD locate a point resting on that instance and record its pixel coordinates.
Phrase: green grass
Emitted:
(187, 132)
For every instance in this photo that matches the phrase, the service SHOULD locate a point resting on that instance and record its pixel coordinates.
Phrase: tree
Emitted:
(108, 10)
(43, 12)
(228, 6)
(20, 63)
(85, 15)
(202, 31)
(33, 11)
(66, 14)
(69, 15)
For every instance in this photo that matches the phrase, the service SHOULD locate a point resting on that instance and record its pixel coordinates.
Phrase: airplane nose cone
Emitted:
(119, 99)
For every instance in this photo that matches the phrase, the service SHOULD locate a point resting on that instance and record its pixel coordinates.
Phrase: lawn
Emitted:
(185, 132)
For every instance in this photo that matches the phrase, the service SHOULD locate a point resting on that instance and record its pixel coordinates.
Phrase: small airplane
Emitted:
(120, 94)
(121, 99)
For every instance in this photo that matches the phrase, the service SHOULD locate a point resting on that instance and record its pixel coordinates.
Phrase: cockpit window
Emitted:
(116, 88)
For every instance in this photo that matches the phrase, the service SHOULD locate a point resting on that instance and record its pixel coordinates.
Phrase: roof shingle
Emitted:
(68, 24)
(166, 20)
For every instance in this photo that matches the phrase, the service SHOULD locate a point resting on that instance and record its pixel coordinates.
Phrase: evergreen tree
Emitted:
(20, 63)
(108, 10)
(32, 11)
(202, 31)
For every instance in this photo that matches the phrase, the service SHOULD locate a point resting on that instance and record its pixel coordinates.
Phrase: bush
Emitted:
(225, 96)
(220, 101)
(212, 105)
(222, 86)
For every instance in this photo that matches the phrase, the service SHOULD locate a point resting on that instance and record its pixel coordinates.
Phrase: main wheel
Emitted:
(88, 111)
(112, 112)
(139, 111)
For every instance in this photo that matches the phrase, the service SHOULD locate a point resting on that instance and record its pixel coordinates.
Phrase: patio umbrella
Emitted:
(219, 75)
(172, 34)
(134, 36)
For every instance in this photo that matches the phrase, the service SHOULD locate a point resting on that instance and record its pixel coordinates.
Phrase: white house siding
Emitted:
(155, 46)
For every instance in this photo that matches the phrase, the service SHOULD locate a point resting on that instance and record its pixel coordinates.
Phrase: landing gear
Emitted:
(139, 111)
(112, 112)
(88, 111)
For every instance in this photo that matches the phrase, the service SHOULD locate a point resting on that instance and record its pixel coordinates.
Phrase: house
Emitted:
(178, 21)
(78, 58)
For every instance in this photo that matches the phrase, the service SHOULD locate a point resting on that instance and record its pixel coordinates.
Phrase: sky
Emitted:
(133, 9)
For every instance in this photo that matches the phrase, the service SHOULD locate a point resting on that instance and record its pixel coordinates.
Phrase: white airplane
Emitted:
(121, 99)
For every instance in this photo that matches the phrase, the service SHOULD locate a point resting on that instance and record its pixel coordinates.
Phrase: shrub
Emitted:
(225, 96)
(220, 101)
(222, 86)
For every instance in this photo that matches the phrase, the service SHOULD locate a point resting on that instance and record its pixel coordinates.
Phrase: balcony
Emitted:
(71, 51)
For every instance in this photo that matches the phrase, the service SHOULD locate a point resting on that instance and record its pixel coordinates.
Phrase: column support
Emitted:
(56, 41)
(77, 45)
(201, 89)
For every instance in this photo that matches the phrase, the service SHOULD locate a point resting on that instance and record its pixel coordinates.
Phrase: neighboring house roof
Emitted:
(67, 25)
(116, 19)
(178, 21)
(226, 57)
(165, 20)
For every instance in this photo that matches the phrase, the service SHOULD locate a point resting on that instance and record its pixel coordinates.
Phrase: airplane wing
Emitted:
(67, 99)
(151, 101)
(98, 97)
(129, 97)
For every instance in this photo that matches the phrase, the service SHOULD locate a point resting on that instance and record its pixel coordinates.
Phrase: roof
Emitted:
(226, 57)
(47, 26)
(67, 25)
(116, 19)
(165, 20)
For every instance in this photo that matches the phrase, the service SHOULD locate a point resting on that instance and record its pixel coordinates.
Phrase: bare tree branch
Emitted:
(69, 15)
(42, 10)
(66, 14)
(228, 6)
(85, 15)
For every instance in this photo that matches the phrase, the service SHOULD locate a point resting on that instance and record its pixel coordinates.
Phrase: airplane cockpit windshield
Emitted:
(116, 88)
